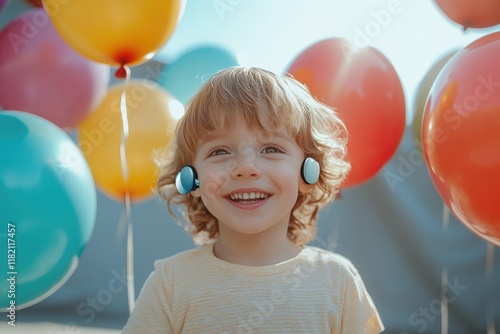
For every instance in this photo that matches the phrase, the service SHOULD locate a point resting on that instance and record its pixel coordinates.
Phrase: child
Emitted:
(253, 160)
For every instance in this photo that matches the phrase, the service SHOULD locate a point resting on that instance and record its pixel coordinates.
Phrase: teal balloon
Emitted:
(47, 208)
(185, 76)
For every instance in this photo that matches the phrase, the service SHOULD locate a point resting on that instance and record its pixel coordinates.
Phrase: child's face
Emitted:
(250, 179)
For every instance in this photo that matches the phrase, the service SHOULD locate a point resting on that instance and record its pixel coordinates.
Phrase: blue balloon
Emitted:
(47, 208)
(185, 76)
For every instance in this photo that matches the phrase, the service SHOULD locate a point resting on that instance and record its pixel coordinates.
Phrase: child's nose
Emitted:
(246, 167)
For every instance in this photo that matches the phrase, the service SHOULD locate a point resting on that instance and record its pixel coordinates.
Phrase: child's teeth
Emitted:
(247, 196)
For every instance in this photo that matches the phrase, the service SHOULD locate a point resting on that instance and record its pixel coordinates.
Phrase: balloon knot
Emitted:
(122, 72)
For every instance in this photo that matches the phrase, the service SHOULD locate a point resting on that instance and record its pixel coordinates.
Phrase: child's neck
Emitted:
(255, 250)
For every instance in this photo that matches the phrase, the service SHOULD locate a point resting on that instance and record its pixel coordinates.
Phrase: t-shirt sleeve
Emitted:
(152, 312)
(359, 314)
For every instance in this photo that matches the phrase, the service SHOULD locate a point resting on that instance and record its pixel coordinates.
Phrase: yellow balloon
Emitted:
(421, 97)
(151, 125)
(115, 32)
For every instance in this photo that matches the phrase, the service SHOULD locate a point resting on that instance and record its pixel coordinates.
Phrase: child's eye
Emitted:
(271, 149)
(218, 151)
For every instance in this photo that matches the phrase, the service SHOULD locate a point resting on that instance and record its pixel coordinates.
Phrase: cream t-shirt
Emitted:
(194, 292)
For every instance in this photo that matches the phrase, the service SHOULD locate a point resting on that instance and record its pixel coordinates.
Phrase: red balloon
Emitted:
(461, 136)
(472, 14)
(365, 90)
(35, 3)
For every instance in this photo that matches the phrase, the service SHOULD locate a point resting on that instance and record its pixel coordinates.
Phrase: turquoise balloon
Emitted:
(47, 209)
(185, 76)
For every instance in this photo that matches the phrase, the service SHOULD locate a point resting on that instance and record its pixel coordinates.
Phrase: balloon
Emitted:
(35, 3)
(421, 97)
(42, 75)
(48, 208)
(115, 32)
(461, 136)
(2, 4)
(186, 75)
(365, 90)
(472, 14)
(151, 125)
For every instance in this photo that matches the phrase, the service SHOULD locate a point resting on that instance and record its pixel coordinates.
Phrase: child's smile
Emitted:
(248, 199)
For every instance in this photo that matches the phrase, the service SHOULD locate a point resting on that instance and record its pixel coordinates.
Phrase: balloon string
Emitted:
(130, 258)
(444, 276)
(124, 169)
(124, 115)
(490, 254)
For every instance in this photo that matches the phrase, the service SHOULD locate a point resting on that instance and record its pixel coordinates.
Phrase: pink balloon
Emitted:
(2, 4)
(42, 75)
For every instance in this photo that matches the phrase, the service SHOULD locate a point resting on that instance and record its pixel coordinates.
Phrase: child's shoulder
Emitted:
(184, 256)
(325, 255)
(329, 260)
(188, 257)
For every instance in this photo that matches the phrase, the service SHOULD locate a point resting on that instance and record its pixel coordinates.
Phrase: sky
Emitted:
(412, 34)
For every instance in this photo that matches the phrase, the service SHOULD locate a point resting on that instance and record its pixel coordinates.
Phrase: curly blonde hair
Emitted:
(266, 101)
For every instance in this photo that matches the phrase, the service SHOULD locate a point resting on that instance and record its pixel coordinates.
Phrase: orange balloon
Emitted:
(115, 32)
(365, 90)
(472, 14)
(151, 125)
(461, 136)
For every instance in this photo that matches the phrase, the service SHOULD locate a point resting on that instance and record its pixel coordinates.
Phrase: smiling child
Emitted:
(254, 159)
